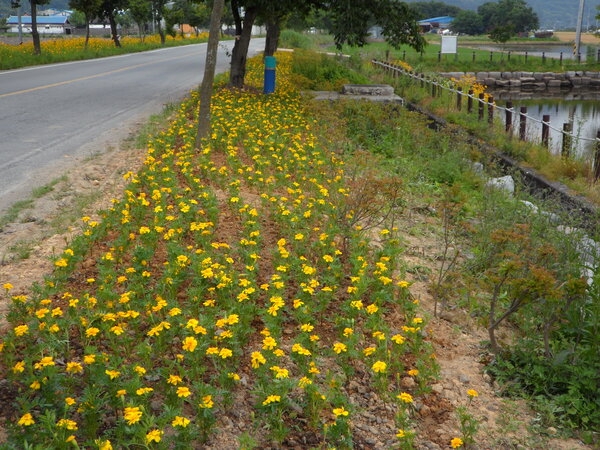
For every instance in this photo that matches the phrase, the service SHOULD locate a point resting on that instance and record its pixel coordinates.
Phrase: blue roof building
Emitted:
(58, 24)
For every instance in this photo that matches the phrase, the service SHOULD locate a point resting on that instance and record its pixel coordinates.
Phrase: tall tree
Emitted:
(209, 71)
(89, 8)
(350, 22)
(508, 13)
(37, 48)
(467, 22)
(109, 9)
(141, 13)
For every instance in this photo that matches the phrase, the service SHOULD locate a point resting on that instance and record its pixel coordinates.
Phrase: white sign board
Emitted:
(449, 44)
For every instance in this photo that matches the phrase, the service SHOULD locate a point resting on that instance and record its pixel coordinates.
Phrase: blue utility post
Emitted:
(269, 87)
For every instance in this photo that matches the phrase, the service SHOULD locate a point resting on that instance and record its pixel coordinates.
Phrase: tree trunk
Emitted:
(113, 29)
(37, 48)
(209, 72)
(162, 34)
(239, 53)
(272, 40)
(87, 31)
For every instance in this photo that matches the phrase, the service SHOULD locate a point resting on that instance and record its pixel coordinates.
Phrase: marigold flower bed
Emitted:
(223, 281)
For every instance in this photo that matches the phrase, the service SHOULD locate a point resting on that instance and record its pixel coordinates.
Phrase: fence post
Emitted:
(473, 55)
(470, 101)
(439, 56)
(433, 88)
(561, 56)
(523, 123)
(404, 55)
(491, 110)
(491, 56)
(543, 57)
(480, 108)
(508, 56)
(509, 118)
(545, 129)
(597, 156)
(422, 77)
(458, 98)
(526, 55)
(567, 139)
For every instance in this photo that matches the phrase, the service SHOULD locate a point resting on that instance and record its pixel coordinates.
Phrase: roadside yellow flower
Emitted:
(339, 347)
(271, 399)
(44, 362)
(405, 397)
(472, 393)
(179, 421)
(26, 420)
(91, 332)
(70, 401)
(456, 442)
(400, 434)
(348, 332)
(369, 351)
(183, 391)
(89, 359)
(154, 436)
(403, 284)
(207, 402)
(35, 385)
(398, 339)
(144, 390)
(132, 414)
(225, 353)
(112, 373)
(189, 344)
(19, 367)
(257, 359)
(269, 343)
(413, 372)
(74, 367)
(174, 380)
(20, 330)
(340, 412)
(66, 423)
(7, 286)
(379, 367)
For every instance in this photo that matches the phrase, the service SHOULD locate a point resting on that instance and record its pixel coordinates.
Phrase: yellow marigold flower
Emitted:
(179, 421)
(112, 373)
(271, 399)
(66, 423)
(348, 332)
(379, 335)
(269, 343)
(303, 382)
(174, 380)
(307, 327)
(369, 351)
(44, 362)
(7, 286)
(144, 390)
(417, 320)
(372, 308)
(207, 402)
(212, 351)
(298, 348)
(456, 442)
(357, 304)
(35, 385)
(70, 401)
(71, 438)
(257, 359)
(154, 436)
(89, 359)
(413, 372)
(74, 367)
(403, 284)
(20, 330)
(280, 372)
(405, 397)
(472, 393)
(26, 420)
(121, 393)
(139, 370)
(225, 353)
(132, 414)
(339, 347)
(234, 376)
(340, 412)
(379, 367)
(61, 262)
(91, 332)
(400, 434)
(398, 339)
(183, 391)
(189, 344)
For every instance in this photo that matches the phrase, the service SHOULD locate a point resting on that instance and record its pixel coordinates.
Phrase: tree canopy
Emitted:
(508, 13)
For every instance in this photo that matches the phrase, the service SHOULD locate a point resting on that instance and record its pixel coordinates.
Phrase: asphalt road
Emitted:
(55, 115)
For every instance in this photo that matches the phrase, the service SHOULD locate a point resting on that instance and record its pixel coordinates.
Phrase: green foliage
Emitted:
(321, 72)
(294, 39)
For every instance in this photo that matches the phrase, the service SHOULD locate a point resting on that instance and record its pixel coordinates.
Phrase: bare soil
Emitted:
(569, 36)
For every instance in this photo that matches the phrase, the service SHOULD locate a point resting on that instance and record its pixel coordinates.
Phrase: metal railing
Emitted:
(436, 87)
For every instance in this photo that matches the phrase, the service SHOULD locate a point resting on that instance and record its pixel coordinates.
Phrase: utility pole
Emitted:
(578, 32)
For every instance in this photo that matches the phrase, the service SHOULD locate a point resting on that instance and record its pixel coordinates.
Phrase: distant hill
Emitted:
(553, 14)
